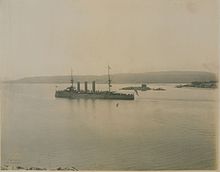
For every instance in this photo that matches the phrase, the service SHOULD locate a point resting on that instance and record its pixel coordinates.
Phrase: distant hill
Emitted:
(150, 77)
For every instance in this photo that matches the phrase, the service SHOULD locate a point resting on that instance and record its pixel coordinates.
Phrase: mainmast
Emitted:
(109, 79)
(71, 80)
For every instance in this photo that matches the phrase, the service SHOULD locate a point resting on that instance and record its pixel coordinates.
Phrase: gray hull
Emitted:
(96, 95)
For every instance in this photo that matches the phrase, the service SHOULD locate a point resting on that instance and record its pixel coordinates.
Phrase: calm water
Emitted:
(172, 129)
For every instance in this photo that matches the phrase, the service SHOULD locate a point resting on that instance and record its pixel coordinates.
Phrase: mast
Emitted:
(109, 79)
(71, 80)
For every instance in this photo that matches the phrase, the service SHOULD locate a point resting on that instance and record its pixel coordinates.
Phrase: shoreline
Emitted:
(6, 167)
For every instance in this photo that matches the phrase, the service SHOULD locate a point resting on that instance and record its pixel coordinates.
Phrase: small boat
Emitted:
(158, 89)
(143, 87)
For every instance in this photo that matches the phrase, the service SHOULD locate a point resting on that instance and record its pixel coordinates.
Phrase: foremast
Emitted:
(71, 78)
(109, 79)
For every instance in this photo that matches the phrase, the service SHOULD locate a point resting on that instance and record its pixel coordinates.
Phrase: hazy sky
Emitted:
(48, 37)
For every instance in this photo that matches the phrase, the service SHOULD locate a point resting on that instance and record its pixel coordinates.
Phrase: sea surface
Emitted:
(174, 129)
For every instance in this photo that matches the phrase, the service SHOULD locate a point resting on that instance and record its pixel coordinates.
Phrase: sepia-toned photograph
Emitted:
(109, 85)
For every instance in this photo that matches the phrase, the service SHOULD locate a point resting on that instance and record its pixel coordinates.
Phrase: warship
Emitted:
(76, 93)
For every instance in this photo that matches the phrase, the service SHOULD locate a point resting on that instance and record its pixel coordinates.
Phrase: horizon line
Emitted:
(35, 76)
